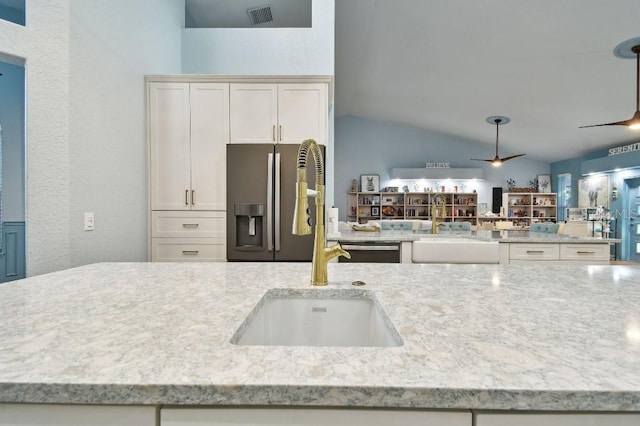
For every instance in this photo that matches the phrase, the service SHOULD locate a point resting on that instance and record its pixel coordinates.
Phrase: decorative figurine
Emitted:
(354, 185)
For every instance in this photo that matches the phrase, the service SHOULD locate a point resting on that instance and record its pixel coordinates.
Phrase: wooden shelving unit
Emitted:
(525, 208)
(450, 206)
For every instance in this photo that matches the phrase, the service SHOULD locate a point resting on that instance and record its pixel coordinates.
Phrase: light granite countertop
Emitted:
(499, 236)
(475, 337)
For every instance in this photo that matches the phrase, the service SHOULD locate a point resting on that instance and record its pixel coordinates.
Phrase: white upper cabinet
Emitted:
(278, 113)
(188, 133)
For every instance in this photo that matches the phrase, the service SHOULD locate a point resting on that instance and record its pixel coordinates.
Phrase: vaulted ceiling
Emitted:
(447, 65)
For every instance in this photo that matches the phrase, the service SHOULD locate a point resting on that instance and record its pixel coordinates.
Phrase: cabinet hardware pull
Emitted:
(535, 251)
(190, 252)
(280, 133)
(586, 252)
(193, 197)
(273, 133)
(186, 197)
(190, 225)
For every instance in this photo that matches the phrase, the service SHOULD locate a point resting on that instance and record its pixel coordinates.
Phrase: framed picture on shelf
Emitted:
(375, 211)
(369, 183)
(544, 183)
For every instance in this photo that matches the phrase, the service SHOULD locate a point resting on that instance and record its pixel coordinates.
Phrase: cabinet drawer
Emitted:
(309, 417)
(188, 250)
(557, 419)
(193, 224)
(534, 252)
(584, 252)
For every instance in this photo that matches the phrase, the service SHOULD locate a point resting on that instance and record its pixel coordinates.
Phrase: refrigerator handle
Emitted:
(270, 202)
(277, 202)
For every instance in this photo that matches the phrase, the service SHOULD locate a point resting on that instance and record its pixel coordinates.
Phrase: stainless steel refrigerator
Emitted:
(261, 195)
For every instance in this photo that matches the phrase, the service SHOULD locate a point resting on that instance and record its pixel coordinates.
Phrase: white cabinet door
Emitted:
(302, 113)
(169, 138)
(209, 138)
(254, 113)
(557, 419)
(188, 133)
(75, 415)
(310, 417)
(278, 113)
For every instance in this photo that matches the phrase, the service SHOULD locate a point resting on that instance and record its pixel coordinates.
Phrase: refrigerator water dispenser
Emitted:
(249, 223)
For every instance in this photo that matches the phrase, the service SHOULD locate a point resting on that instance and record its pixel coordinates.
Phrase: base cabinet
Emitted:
(309, 417)
(195, 236)
(556, 253)
(75, 415)
(557, 419)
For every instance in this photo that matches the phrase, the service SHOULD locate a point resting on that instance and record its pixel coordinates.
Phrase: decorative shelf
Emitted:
(438, 173)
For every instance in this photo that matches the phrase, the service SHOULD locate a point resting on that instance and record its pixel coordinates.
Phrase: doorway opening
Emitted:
(12, 169)
(630, 231)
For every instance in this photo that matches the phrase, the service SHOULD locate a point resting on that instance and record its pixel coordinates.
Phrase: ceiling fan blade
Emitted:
(512, 156)
(480, 159)
(617, 123)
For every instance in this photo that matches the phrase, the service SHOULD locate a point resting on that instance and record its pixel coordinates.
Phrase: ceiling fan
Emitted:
(627, 50)
(497, 161)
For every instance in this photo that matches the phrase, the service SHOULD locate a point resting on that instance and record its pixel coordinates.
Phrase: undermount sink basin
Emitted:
(317, 317)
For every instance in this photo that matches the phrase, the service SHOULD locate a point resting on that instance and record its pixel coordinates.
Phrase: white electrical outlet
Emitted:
(89, 223)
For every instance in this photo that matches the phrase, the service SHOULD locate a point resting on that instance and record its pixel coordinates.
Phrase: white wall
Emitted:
(113, 44)
(264, 51)
(85, 63)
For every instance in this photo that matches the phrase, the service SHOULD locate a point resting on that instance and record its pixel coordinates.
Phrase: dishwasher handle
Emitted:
(370, 247)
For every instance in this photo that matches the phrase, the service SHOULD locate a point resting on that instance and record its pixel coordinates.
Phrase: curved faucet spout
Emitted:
(302, 214)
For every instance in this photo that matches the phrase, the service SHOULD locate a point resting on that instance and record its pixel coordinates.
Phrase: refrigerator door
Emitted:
(248, 213)
(291, 247)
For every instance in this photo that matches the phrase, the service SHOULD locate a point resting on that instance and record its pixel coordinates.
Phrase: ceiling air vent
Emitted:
(260, 15)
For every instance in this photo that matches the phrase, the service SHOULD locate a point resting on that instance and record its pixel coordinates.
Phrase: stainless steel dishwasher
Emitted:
(372, 252)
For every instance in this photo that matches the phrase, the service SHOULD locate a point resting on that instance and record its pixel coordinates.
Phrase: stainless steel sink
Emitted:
(317, 317)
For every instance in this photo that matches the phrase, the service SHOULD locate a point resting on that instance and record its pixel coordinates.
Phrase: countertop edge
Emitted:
(320, 396)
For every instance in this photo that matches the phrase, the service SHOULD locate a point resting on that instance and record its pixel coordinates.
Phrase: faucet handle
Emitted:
(339, 251)
(301, 212)
(345, 253)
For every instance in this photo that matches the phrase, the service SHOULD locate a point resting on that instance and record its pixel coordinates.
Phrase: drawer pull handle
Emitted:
(586, 252)
(535, 251)
(190, 225)
(190, 252)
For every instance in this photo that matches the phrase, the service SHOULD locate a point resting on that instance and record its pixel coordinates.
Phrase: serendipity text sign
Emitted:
(624, 149)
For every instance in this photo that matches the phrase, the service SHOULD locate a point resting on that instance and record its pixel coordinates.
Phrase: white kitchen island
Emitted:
(144, 337)
(513, 247)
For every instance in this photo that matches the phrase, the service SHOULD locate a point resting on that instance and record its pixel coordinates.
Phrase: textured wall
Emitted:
(86, 144)
(47, 65)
